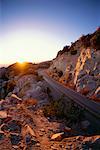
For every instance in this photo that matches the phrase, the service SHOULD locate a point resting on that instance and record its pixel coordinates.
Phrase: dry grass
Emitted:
(62, 109)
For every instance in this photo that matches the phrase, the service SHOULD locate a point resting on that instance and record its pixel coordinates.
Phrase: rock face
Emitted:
(78, 66)
(21, 80)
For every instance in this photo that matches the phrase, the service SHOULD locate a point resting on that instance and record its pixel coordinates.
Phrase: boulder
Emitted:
(57, 136)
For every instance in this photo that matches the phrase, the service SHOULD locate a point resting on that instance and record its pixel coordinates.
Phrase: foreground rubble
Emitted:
(24, 127)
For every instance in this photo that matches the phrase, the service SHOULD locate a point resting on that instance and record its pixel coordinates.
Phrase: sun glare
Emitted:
(21, 61)
(26, 46)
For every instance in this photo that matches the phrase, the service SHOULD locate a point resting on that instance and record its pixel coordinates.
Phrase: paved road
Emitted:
(89, 105)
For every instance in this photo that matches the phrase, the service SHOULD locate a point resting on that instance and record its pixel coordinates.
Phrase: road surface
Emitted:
(89, 105)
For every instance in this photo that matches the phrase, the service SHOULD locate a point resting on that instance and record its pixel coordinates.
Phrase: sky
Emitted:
(35, 30)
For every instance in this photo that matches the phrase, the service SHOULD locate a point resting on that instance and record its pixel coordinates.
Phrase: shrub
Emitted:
(95, 41)
(55, 108)
(65, 49)
(85, 39)
(59, 109)
(73, 52)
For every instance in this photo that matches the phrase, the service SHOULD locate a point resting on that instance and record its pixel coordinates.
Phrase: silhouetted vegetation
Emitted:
(65, 49)
(89, 40)
(95, 40)
(73, 52)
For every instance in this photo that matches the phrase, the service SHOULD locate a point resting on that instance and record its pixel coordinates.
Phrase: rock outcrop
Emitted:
(78, 66)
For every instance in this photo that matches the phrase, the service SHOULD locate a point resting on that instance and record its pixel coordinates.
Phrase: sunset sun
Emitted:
(21, 61)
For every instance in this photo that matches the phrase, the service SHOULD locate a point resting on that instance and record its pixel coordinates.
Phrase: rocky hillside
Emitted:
(21, 79)
(32, 119)
(78, 66)
(33, 116)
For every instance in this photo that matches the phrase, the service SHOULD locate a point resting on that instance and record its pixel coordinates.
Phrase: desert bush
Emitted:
(73, 113)
(73, 52)
(85, 39)
(65, 49)
(60, 109)
(53, 109)
(95, 41)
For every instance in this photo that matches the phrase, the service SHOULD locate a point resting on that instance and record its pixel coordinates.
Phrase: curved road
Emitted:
(89, 105)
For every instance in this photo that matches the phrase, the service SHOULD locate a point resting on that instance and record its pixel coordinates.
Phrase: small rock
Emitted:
(61, 146)
(1, 136)
(14, 126)
(34, 141)
(15, 146)
(15, 139)
(67, 129)
(57, 136)
(16, 97)
(42, 130)
(50, 129)
(52, 147)
(41, 134)
(28, 130)
(3, 114)
(6, 120)
(27, 139)
(38, 144)
(4, 127)
(79, 138)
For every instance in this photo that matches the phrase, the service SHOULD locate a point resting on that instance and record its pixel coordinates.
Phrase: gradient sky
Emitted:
(34, 30)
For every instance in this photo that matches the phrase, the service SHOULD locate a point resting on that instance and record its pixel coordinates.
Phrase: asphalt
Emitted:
(91, 106)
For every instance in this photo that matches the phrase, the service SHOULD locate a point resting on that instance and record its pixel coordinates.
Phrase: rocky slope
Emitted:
(29, 112)
(25, 126)
(21, 79)
(78, 66)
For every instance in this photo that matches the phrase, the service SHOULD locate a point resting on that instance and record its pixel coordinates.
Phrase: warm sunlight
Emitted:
(27, 45)
(21, 61)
